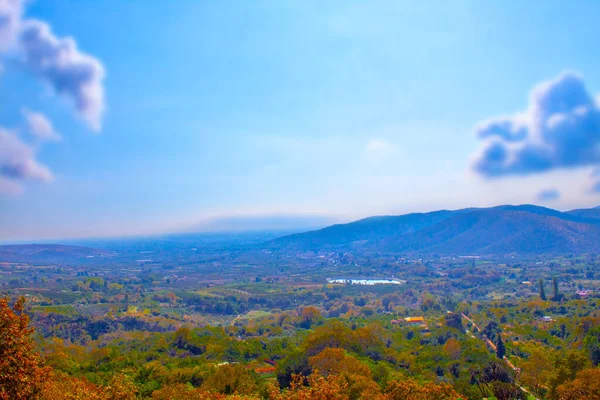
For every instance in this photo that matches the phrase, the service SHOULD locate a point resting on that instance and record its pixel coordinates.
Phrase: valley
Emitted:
(207, 311)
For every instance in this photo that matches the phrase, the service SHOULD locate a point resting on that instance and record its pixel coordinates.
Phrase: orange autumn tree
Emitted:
(315, 387)
(182, 391)
(231, 379)
(357, 375)
(585, 386)
(336, 361)
(410, 389)
(336, 387)
(452, 348)
(22, 373)
(66, 387)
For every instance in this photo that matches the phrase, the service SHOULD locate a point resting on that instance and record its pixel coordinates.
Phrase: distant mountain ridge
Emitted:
(37, 253)
(507, 229)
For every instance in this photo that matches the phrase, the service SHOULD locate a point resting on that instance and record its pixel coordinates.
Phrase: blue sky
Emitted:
(236, 108)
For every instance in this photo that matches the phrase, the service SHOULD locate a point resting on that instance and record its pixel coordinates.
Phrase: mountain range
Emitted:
(501, 230)
(507, 229)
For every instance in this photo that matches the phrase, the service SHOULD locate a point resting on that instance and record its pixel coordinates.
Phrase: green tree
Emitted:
(542, 291)
(536, 368)
(495, 379)
(308, 316)
(454, 320)
(592, 345)
(566, 367)
(231, 378)
(294, 364)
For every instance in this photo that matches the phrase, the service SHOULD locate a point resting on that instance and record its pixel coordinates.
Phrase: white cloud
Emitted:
(56, 61)
(18, 162)
(379, 146)
(11, 12)
(71, 73)
(39, 126)
(559, 129)
(8, 186)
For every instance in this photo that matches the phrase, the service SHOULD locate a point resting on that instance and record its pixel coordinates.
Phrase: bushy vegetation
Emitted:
(302, 354)
(165, 331)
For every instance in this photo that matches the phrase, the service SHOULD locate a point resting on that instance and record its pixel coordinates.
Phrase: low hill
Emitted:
(590, 213)
(524, 229)
(50, 253)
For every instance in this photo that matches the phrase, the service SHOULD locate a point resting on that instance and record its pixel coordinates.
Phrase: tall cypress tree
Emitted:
(542, 291)
(556, 294)
(500, 348)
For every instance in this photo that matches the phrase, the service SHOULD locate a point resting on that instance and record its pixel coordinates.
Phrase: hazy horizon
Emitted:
(231, 225)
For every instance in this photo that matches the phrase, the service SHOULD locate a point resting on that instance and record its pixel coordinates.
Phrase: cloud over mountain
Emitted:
(594, 182)
(548, 195)
(559, 129)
